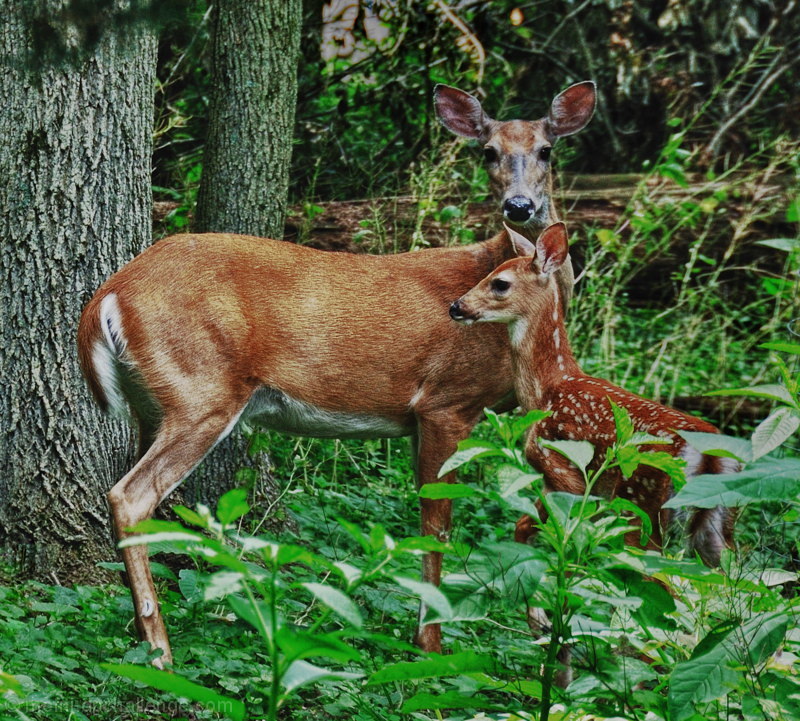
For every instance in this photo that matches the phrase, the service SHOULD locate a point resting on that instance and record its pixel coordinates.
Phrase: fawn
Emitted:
(522, 293)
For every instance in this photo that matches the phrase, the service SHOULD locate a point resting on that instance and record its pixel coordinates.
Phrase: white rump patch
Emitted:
(107, 355)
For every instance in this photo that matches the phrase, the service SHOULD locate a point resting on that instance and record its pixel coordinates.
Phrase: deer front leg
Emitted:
(437, 440)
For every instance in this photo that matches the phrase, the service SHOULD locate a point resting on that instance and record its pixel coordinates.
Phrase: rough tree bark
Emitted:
(251, 117)
(244, 186)
(75, 204)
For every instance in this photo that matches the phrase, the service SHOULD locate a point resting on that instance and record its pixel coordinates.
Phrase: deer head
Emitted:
(517, 153)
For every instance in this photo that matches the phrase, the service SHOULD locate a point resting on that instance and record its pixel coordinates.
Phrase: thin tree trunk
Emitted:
(75, 203)
(251, 117)
(245, 179)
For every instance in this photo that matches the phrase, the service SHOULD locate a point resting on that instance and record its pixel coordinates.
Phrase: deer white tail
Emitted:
(102, 334)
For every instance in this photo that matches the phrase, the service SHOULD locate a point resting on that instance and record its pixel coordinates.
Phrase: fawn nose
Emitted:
(518, 209)
(455, 310)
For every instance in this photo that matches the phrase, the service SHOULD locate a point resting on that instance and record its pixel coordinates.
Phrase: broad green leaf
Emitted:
(774, 430)
(255, 612)
(511, 479)
(431, 596)
(580, 453)
(446, 490)
(783, 347)
(189, 584)
(435, 666)
(297, 644)
(773, 391)
(302, 673)
(179, 686)
(673, 466)
(712, 672)
(190, 516)
(469, 450)
(450, 699)
(716, 444)
(703, 678)
(337, 601)
(232, 506)
(222, 584)
(423, 544)
(768, 479)
(520, 425)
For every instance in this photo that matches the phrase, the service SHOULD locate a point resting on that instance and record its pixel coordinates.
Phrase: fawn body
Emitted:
(522, 293)
(201, 330)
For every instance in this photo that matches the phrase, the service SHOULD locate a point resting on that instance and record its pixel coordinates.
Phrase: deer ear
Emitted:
(460, 113)
(552, 248)
(572, 109)
(522, 246)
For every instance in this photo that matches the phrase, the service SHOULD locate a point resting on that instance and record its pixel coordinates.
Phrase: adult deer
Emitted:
(523, 293)
(200, 331)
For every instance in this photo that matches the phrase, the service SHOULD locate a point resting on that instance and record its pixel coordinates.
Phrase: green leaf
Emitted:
(716, 444)
(468, 450)
(704, 678)
(179, 686)
(773, 391)
(769, 479)
(232, 505)
(431, 596)
(580, 453)
(785, 244)
(255, 612)
(511, 479)
(450, 699)
(774, 430)
(181, 537)
(302, 673)
(435, 666)
(446, 490)
(297, 644)
(190, 516)
(622, 421)
(521, 424)
(221, 584)
(337, 601)
(783, 347)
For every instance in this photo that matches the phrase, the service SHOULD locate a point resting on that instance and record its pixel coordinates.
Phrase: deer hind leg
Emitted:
(175, 451)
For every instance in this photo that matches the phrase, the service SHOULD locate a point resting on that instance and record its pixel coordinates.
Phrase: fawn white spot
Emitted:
(148, 608)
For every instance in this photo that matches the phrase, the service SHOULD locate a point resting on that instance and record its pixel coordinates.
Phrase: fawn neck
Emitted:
(541, 353)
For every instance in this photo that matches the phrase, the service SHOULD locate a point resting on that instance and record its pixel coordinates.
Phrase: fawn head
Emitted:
(516, 289)
(517, 152)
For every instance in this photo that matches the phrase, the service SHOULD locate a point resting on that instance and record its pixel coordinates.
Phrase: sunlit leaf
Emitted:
(429, 594)
(232, 505)
(774, 430)
(337, 601)
(580, 453)
(717, 444)
(302, 673)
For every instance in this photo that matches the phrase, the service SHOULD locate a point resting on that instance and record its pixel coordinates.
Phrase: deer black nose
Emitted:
(455, 310)
(518, 209)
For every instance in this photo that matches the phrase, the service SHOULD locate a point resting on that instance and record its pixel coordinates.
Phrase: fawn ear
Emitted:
(460, 112)
(552, 248)
(572, 109)
(522, 246)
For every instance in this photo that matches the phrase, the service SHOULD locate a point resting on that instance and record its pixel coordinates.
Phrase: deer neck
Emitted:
(541, 353)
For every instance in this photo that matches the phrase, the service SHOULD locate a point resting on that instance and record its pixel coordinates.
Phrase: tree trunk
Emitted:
(75, 196)
(245, 179)
(251, 117)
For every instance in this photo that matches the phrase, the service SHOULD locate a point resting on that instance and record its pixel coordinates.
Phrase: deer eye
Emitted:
(500, 286)
(490, 155)
(544, 154)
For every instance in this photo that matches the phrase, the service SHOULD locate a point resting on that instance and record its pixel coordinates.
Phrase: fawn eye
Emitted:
(500, 286)
(544, 154)
(490, 155)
